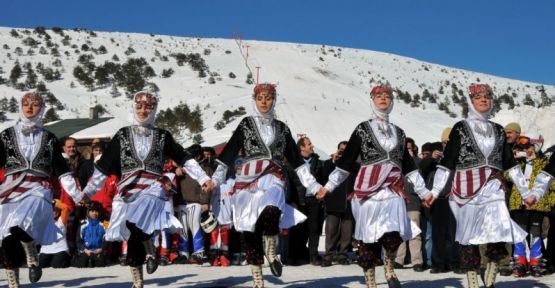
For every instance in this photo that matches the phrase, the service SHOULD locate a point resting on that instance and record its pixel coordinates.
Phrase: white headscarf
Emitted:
(36, 121)
(149, 121)
(475, 115)
(270, 115)
(270, 88)
(482, 126)
(377, 113)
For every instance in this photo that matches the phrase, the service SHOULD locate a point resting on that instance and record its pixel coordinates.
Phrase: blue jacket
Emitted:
(91, 235)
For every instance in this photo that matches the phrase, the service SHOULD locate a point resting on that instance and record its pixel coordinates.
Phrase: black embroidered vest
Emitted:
(470, 155)
(16, 162)
(130, 161)
(371, 152)
(253, 145)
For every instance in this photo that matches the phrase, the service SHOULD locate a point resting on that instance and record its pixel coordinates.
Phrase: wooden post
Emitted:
(257, 73)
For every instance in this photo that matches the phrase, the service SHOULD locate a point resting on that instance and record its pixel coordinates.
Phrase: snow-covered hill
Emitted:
(323, 90)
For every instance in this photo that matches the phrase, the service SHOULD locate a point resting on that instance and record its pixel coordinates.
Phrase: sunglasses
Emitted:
(527, 141)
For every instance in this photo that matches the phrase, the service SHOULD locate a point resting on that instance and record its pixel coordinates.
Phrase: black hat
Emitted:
(94, 206)
(427, 147)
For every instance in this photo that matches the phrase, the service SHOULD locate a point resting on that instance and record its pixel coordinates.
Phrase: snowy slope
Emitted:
(323, 91)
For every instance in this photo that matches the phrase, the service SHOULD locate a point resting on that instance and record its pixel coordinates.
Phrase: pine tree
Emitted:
(528, 100)
(4, 104)
(31, 80)
(195, 125)
(415, 101)
(13, 105)
(464, 105)
(50, 116)
(15, 73)
(545, 100)
(166, 73)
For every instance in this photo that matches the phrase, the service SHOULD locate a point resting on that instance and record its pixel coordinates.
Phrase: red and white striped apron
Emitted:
(372, 178)
(19, 183)
(252, 171)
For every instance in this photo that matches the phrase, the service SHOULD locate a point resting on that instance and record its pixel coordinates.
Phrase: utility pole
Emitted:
(257, 73)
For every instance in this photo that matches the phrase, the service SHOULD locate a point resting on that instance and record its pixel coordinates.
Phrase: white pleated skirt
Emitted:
(247, 204)
(485, 218)
(33, 214)
(146, 211)
(384, 212)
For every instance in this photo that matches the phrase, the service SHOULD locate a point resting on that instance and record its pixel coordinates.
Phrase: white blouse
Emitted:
(29, 144)
(483, 134)
(265, 129)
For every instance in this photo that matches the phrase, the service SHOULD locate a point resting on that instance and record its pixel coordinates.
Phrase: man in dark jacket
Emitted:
(444, 249)
(339, 217)
(311, 207)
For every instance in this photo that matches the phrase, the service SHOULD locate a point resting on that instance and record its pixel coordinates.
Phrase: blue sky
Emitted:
(509, 38)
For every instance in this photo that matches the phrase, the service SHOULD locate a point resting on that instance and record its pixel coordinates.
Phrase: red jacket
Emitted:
(106, 194)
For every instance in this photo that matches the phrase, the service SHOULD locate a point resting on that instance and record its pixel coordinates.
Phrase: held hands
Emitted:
(428, 200)
(437, 154)
(530, 201)
(321, 193)
(85, 200)
(208, 186)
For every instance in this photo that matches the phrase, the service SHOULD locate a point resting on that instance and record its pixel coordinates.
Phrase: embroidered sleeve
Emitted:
(336, 177)
(541, 184)
(195, 171)
(292, 152)
(95, 183)
(233, 146)
(351, 153)
(71, 186)
(109, 162)
(453, 148)
(441, 177)
(219, 175)
(419, 185)
(519, 181)
(307, 179)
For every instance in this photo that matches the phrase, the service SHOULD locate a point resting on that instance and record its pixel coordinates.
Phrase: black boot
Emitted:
(35, 272)
(271, 243)
(151, 261)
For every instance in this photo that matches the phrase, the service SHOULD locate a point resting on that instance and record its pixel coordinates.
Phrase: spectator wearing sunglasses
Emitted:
(531, 161)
